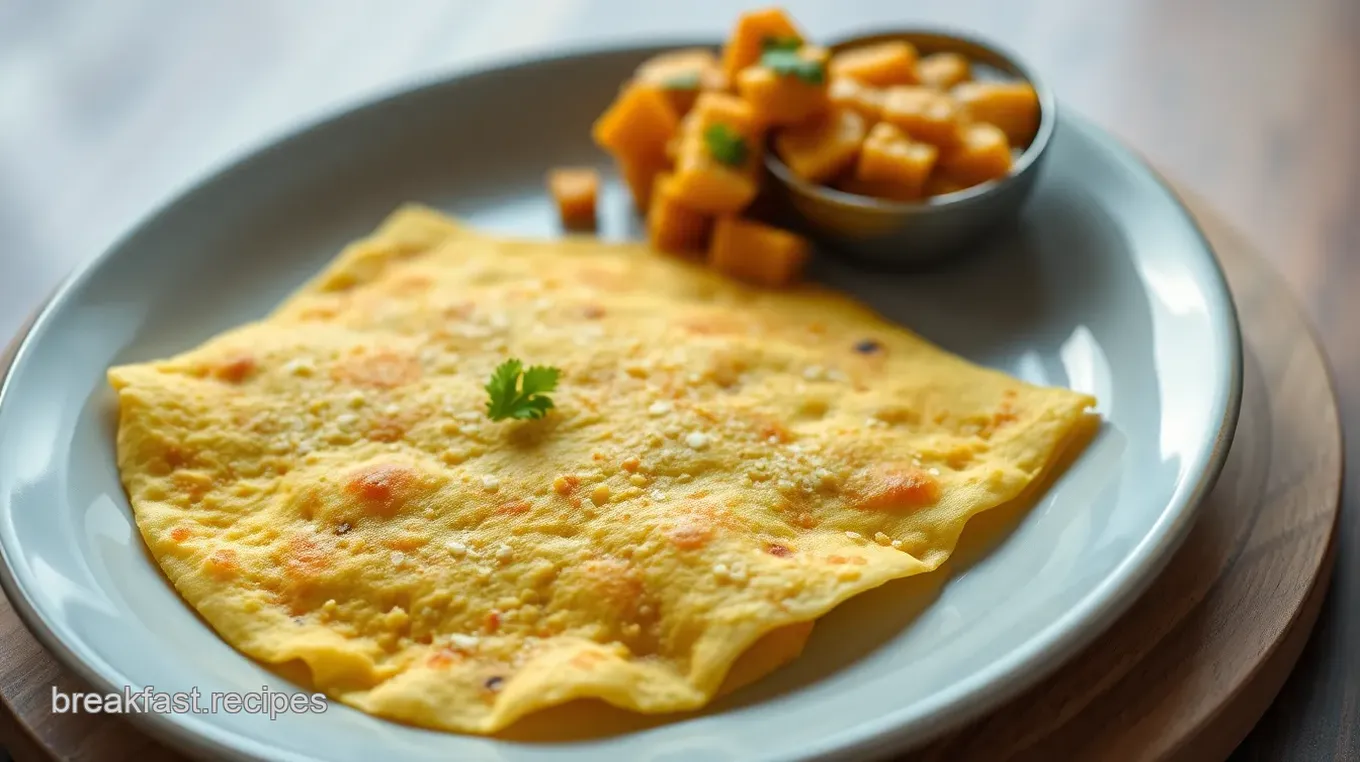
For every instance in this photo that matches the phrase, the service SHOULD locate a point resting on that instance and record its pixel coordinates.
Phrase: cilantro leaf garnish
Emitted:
(518, 393)
(780, 43)
(685, 81)
(786, 62)
(725, 145)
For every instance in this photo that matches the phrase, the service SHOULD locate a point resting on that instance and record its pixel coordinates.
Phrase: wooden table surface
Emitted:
(109, 108)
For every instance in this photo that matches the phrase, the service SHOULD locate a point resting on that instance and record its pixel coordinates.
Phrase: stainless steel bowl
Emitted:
(905, 234)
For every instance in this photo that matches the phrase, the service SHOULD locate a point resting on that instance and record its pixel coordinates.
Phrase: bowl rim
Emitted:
(1026, 163)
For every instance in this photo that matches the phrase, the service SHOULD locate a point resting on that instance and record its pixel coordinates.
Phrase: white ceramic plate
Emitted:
(1104, 285)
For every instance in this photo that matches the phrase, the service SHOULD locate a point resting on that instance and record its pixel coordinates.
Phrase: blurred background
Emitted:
(107, 109)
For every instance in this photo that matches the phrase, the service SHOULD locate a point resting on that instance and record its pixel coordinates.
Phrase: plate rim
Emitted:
(972, 698)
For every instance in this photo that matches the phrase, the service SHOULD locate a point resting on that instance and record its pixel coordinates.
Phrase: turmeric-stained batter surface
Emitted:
(722, 464)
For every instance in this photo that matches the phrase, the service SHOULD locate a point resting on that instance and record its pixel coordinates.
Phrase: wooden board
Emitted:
(1183, 675)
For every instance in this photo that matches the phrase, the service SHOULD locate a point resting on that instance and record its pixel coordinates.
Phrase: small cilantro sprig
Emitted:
(789, 64)
(725, 145)
(689, 80)
(518, 393)
(780, 43)
(780, 55)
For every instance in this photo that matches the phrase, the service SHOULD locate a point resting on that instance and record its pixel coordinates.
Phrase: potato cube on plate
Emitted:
(682, 75)
(756, 253)
(575, 189)
(715, 171)
(717, 159)
(637, 125)
(639, 176)
(706, 185)
(712, 108)
(753, 31)
(787, 97)
(671, 226)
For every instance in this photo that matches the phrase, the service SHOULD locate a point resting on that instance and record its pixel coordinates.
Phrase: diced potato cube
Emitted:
(756, 253)
(637, 125)
(1012, 106)
(923, 113)
(639, 176)
(890, 158)
(853, 94)
(671, 227)
(682, 74)
(820, 149)
(782, 99)
(943, 70)
(723, 108)
(701, 181)
(879, 65)
(748, 38)
(575, 190)
(704, 181)
(983, 155)
(706, 184)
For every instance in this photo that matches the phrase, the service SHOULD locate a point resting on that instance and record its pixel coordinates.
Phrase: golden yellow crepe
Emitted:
(721, 467)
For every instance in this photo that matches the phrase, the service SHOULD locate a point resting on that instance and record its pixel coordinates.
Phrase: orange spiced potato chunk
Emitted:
(943, 70)
(821, 149)
(855, 95)
(924, 113)
(682, 74)
(783, 98)
(756, 253)
(635, 130)
(671, 226)
(639, 176)
(725, 108)
(894, 164)
(879, 65)
(717, 159)
(1012, 106)
(638, 123)
(753, 31)
(984, 154)
(575, 189)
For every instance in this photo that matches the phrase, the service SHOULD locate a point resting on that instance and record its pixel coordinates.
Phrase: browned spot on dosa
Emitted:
(382, 488)
(233, 370)
(893, 489)
(379, 369)
(222, 564)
